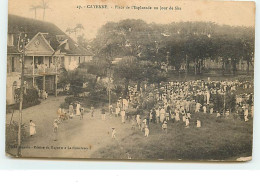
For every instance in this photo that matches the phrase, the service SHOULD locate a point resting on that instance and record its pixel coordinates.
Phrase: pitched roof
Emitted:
(51, 32)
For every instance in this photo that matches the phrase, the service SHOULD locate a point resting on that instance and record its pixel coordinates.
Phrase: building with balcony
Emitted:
(47, 51)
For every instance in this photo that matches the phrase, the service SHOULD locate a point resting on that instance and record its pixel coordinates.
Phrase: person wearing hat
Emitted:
(113, 133)
(81, 113)
(78, 109)
(146, 131)
(227, 113)
(32, 128)
(103, 114)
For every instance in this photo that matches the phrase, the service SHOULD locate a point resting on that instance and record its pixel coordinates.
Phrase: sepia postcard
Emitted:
(130, 80)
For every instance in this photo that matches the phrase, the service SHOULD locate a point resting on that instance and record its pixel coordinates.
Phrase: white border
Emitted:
(7, 163)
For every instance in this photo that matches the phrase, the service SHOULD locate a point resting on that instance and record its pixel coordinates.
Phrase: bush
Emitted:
(30, 99)
(12, 133)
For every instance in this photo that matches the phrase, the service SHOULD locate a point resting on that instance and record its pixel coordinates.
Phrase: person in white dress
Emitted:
(144, 124)
(187, 123)
(55, 129)
(204, 109)
(208, 97)
(123, 116)
(138, 121)
(113, 133)
(117, 111)
(146, 131)
(177, 116)
(162, 115)
(78, 109)
(198, 123)
(211, 110)
(71, 111)
(157, 115)
(198, 105)
(246, 114)
(32, 128)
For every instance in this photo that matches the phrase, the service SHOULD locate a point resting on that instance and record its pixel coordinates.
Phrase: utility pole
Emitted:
(109, 89)
(21, 49)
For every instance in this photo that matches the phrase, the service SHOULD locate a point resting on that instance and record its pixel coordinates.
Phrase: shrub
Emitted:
(12, 133)
(30, 99)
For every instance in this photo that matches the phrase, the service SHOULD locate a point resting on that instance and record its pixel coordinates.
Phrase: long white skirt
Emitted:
(32, 130)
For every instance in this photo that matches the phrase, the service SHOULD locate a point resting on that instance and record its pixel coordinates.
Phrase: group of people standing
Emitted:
(178, 101)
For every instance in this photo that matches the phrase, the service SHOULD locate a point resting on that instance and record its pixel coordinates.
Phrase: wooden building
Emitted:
(48, 50)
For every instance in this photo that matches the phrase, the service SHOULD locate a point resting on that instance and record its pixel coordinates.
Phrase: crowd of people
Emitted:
(172, 102)
(177, 101)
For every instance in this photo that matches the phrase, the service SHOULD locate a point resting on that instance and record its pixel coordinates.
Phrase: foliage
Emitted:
(174, 43)
(12, 133)
(30, 98)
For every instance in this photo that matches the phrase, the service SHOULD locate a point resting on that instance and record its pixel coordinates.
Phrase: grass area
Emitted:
(217, 139)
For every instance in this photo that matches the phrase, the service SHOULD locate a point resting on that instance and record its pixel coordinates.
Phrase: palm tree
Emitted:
(34, 8)
(44, 6)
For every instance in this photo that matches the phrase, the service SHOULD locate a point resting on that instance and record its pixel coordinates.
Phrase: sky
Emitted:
(64, 13)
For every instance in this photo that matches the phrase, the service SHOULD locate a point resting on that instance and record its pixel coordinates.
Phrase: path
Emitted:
(77, 138)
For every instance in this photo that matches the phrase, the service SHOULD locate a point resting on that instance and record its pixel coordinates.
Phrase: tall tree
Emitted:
(34, 8)
(44, 6)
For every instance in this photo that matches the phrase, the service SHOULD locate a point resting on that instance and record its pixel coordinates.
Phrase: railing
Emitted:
(40, 71)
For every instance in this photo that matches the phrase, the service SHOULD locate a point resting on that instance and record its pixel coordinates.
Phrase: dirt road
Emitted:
(76, 138)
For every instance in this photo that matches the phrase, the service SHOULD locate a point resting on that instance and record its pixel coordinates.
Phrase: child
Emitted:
(204, 109)
(198, 123)
(146, 131)
(32, 128)
(211, 110)
(113, 133)
(218, 114)
(81, 112)
(164, 126)
(55, 129)
(187, 123)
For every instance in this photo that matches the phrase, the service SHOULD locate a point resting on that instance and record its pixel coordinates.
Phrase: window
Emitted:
(13, 68)
(10, 40)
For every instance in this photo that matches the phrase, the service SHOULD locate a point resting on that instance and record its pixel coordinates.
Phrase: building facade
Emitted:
(48, 50)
